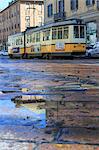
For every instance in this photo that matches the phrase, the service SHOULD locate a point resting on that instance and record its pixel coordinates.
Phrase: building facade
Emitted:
(19, 15)
(88, 10)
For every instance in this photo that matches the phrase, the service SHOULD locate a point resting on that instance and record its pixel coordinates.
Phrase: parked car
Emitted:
(94, 51)
(3, 53)
(89, 47)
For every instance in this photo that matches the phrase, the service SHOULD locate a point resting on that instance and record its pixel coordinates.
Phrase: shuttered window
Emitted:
(61, 5)
(50, 10)
(74, 5)
(90, 2)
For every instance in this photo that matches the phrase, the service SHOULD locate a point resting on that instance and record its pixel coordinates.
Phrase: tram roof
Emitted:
(16, 34)
(55, 24)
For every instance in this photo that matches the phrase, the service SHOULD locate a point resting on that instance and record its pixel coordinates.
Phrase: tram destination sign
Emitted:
(59, 46)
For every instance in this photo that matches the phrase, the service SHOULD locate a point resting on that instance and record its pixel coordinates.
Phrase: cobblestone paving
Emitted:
(49, 104)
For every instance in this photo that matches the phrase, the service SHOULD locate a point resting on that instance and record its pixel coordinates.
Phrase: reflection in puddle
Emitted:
(62, 113)
(37, 107)
(70, 122)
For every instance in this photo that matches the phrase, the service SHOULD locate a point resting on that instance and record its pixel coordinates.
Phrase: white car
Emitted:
(3, 53)
(93, 52)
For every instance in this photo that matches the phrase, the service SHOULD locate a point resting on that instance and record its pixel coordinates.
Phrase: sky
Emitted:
(4, 3)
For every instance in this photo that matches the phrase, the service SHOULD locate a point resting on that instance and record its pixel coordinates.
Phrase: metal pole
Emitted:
(34, 13)
(56, 6)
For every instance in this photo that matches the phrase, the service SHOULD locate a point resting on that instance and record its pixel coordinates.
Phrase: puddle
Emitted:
(21, 115)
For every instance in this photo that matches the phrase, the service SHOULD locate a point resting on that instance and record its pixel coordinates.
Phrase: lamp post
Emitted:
(34, 13)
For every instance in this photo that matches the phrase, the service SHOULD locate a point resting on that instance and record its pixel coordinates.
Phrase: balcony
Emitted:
(60, 16)
(97, 4)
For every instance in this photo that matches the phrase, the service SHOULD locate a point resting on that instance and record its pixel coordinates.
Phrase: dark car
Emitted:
(89, 47)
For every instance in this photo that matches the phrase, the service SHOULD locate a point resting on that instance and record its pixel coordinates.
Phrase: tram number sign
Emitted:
(60, 46)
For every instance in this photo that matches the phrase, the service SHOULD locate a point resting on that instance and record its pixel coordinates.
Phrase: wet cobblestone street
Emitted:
(49, 104)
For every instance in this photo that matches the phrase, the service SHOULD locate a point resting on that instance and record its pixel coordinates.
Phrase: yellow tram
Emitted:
(16, 45)
(66, 38)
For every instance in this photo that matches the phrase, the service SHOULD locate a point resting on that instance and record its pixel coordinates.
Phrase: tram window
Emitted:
(76, 31)
(37, 37)
(59, 33)
(21, 41)
(81, 31)
(46, 35)
(17, 41)
(32, 49)
(13, 42)
(33, 38)
(27, 39)
(38, 49)
(30, 38)
(65, 33)
(54, 34)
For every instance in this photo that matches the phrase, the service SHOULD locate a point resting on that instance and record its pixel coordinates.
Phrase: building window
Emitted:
(90, 2)
(27, 20)
(61, 5)
(27, 11)
(50, 10)
(74, 5)
(18, 25)
(27, 5)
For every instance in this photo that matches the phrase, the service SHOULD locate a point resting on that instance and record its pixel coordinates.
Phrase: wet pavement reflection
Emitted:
(49, 102)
